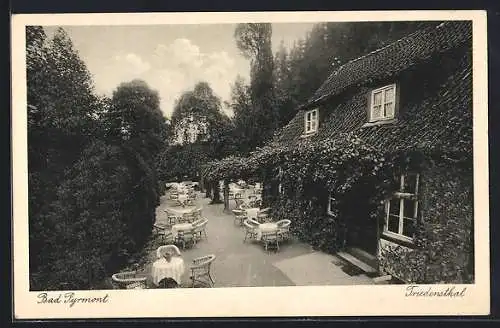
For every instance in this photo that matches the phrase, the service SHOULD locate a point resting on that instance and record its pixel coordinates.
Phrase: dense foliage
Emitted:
(200, 132)
(270, 101)
(360, 178)
(93, 185)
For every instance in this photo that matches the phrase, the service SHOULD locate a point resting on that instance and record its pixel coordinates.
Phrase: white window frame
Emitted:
(402, 196)
(384, 102)
(328, 206)
(310, 124)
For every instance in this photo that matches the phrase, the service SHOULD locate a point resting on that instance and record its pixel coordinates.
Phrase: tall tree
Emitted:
(198, 125)
(254, 41)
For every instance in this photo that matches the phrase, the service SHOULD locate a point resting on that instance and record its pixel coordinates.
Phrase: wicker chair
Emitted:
(200, 229)
(239, 203)
(284, 229)
(128, 280)
(263, 217)
(171, 218)
(250, 229)
(186, 238)
(239, 216)
(164, 232)
(271, 240)
(188, 218)
(200, 271)
(172, 249)
(197, 213)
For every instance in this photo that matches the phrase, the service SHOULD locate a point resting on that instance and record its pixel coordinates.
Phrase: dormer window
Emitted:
(383, 103)
(311, 121)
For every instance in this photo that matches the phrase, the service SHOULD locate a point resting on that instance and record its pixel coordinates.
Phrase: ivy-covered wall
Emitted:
(444, 245)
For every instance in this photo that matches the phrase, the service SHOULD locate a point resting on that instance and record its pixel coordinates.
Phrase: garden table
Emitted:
(182, 198)
(180, 210)
(180, 227)
(266, 227)
(252, 212)
(163, 269)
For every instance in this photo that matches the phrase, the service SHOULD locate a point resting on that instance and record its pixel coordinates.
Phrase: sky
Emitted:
(170, 58)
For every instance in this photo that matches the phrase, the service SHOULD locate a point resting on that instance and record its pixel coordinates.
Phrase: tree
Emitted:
(254, 41)
(91, 162)
(60, 125)
(241, 104)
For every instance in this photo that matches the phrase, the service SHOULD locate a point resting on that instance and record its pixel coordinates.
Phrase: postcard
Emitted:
(259, 164)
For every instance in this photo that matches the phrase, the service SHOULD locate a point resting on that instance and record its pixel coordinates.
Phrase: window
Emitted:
(383, 103)
(331, 205)
(311, 121)
(402, 209)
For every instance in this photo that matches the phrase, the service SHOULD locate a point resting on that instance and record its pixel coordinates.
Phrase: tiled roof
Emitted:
(436, 117)
(395, 57)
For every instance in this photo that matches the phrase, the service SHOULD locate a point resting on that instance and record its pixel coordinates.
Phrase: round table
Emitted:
(266, 227)
(252, 212)
(180, 227)
(162, 269)
(181, 210)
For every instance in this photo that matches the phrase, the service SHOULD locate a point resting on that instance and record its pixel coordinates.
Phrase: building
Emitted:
(412, 95)
(377, 165)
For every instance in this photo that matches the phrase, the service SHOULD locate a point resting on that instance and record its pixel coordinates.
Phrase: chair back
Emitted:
(253, 222)
(188, 217)
(197, 213)
(270, 235)
(128, 280)
(200, 224)
(283, 224)
(172, 249)
(248, 226)
(186, 235)
(203, 262)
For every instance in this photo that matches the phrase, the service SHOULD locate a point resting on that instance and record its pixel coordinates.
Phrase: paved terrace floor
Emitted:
(240, 264)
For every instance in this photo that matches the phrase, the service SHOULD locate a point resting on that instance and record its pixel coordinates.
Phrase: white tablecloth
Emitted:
(180, 227)
(162, 269)
(252, 212)
(266, 227)
(181, 210)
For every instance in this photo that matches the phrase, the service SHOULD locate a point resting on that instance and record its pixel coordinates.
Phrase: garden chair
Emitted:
(271, 240)
(200, 229)
(250, 229)
(164, 232)
(239, 216)
(239, 203)
(188, 217)
(174, 195)
(231, 195)
(197, 213)
(284, 229)
(265, 210)
(172, 249)
(171, 218)
(263, 217)
(129, 280)
(200, 271)
(185, 238)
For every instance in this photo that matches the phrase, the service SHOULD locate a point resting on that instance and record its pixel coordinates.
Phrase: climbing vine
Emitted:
(359, 178)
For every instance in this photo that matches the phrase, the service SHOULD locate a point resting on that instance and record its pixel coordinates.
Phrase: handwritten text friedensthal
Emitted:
(69, 298)
(414, 290)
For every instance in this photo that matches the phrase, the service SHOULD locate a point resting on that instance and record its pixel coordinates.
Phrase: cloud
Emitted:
(133, 63)
(171, 69)
(181, 64)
